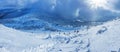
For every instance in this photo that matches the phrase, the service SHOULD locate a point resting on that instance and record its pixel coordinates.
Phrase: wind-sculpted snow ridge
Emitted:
(101, 38)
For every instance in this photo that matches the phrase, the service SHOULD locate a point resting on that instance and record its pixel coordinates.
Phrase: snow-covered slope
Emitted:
(14, 40)
(101, 38)
(105, 37)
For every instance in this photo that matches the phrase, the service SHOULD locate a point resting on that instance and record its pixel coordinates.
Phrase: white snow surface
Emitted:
(101, 38)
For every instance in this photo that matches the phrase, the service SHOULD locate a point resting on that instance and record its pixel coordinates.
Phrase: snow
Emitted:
(85, 40)
(109, 40)
(16, 40)
(58, 26)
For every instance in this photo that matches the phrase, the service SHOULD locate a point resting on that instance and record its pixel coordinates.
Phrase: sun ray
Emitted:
(98, 3)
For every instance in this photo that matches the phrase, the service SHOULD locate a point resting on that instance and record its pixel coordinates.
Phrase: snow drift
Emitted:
(99, 38)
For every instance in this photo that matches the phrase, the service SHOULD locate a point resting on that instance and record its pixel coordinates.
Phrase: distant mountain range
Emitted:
(53, 15)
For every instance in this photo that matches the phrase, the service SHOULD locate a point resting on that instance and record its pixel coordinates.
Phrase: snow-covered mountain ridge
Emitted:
(99, 38)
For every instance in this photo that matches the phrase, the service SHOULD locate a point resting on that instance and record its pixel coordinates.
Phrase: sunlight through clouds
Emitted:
(98, 3)
(103, 4)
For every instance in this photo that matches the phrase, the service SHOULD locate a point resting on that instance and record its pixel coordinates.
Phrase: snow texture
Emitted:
(99, 38)
(59, 26)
